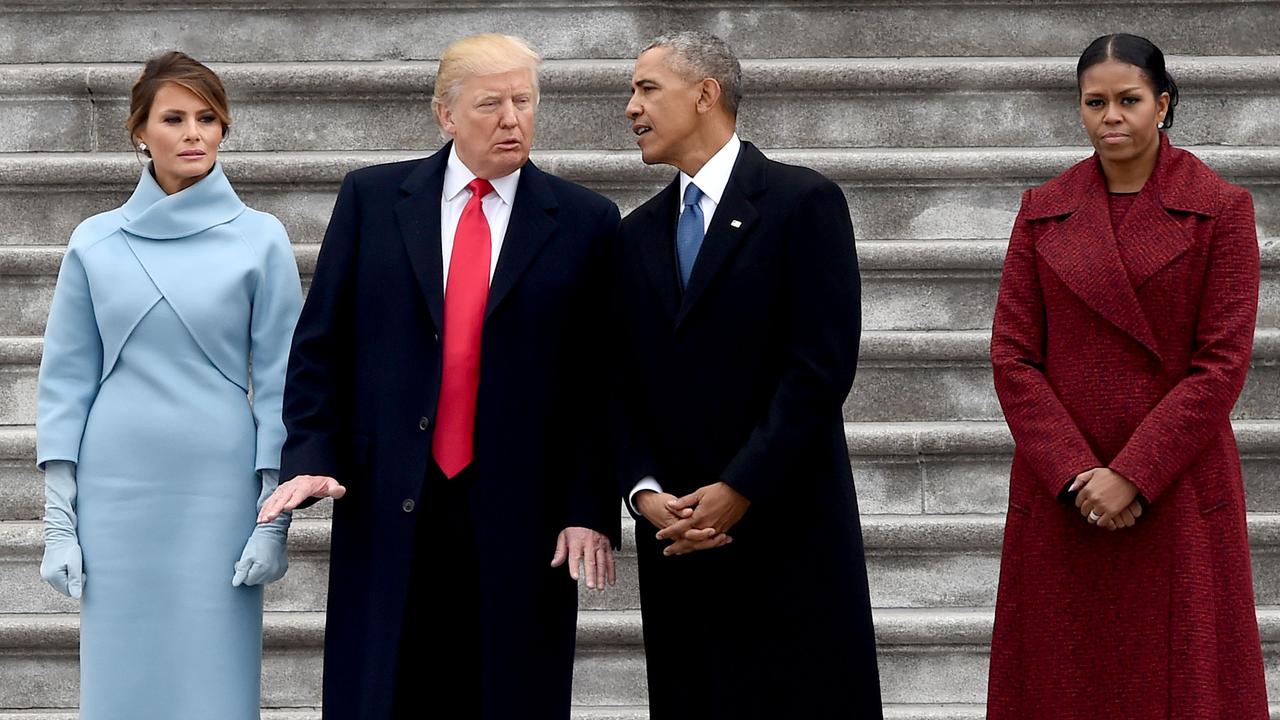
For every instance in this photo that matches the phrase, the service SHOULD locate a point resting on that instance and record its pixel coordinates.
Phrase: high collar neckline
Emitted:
(154, 214)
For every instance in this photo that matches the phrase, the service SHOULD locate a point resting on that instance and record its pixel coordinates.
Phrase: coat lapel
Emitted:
(658, 246)
(1150, 237)
(733, 220)
(418, 215)
(1082, 251)
(530, 227)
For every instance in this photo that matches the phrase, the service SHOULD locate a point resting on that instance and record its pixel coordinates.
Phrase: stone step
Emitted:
(812, 103)
(919, 285)
(906, 376)
(895, 711)
(913, 561)
(129, 31)
(579, 712)
(940, 468)
(894, 194)
(946, 375)
(900, 468)
(926, 657)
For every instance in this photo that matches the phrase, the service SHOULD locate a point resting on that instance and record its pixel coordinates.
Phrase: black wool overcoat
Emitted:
(359, 405)
(741, 377)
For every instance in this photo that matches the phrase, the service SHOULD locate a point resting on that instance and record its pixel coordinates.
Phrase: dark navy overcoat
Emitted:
(360, 401)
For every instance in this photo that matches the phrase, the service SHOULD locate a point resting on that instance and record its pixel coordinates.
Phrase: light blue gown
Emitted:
(161, 308)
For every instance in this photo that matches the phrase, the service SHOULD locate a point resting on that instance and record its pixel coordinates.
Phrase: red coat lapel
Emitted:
(1151, 236)
(1081, 248)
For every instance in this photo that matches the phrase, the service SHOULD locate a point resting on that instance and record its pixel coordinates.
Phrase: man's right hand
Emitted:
(653, 506)
(291, 494)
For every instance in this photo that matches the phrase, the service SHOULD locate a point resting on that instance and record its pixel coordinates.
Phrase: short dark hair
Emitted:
(1139, 52)
(180, 69)
(697, 55)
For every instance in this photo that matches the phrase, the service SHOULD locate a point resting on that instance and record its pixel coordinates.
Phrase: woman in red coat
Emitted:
(1122, 336)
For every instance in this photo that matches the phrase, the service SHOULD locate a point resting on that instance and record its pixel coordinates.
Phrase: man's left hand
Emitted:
(717, 507)
(586, 547)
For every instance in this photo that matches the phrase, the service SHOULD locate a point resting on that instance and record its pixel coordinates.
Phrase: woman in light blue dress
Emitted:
(158, 420)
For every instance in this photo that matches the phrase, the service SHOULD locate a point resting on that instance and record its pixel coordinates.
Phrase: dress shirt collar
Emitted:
(457, 176)
(714, 175)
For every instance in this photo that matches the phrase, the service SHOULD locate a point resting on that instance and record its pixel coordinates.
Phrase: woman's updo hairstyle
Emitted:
(179, 69)
(1139, 52)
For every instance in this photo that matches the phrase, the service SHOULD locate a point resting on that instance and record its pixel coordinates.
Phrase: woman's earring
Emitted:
(142, 146)
(1160, 125)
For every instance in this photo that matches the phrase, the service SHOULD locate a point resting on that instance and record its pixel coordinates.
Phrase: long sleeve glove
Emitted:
(63, 565)
(265, 558)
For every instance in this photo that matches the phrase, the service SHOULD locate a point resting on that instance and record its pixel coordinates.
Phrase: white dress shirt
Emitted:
(496, 206)
(711, 179)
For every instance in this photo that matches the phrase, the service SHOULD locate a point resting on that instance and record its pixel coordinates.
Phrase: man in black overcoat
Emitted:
(739, 301)
(446, 385)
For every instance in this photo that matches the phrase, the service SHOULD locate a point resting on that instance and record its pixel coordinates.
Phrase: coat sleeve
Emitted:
(1043, 430)
(592, 500)
(316, 405)
(825, 322)
(277, 299)
(71, 366)
(1181, 425)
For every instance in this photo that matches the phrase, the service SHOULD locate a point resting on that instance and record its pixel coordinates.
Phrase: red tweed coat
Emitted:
(1127, 350)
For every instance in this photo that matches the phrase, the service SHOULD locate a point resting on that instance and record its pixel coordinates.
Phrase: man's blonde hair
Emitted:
(484, 54)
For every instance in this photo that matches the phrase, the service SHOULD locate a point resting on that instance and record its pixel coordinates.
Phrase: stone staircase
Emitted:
(933, 116)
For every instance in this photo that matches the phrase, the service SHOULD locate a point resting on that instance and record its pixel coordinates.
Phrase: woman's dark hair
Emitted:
(1137, 51)
(179, 69)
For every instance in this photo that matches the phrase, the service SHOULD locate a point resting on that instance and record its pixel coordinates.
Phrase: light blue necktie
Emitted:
(689, 233)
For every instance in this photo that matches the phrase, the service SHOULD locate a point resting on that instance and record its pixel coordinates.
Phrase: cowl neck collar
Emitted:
(151, 213)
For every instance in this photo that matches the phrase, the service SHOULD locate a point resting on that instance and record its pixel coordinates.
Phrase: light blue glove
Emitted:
(63, 565)
(266, 557)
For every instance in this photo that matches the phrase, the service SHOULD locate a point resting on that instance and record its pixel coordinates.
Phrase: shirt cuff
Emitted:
(646, 483)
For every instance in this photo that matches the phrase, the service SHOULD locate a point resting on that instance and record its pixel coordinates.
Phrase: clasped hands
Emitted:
(700, 520)
(1107, 499)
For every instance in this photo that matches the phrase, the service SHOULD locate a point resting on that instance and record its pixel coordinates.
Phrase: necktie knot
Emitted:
(480, 187)
(692, 194)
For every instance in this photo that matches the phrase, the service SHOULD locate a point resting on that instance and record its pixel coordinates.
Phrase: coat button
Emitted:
(407, 506)
(424, 423)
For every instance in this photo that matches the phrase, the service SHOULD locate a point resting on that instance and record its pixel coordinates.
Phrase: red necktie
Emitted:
(452, 443)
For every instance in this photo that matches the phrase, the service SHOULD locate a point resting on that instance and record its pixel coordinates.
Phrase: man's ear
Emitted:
(444, 116)
(708, 95)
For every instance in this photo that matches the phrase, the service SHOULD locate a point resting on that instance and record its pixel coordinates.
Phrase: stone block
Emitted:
(927, 657)
(21, 490)
(888, 485)
(318, 30)
(46, 124)
(814, 103)
(913, 561)
(966, 483)
(948, 577)
(945, 376)
(963, 467)
(894, 195)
